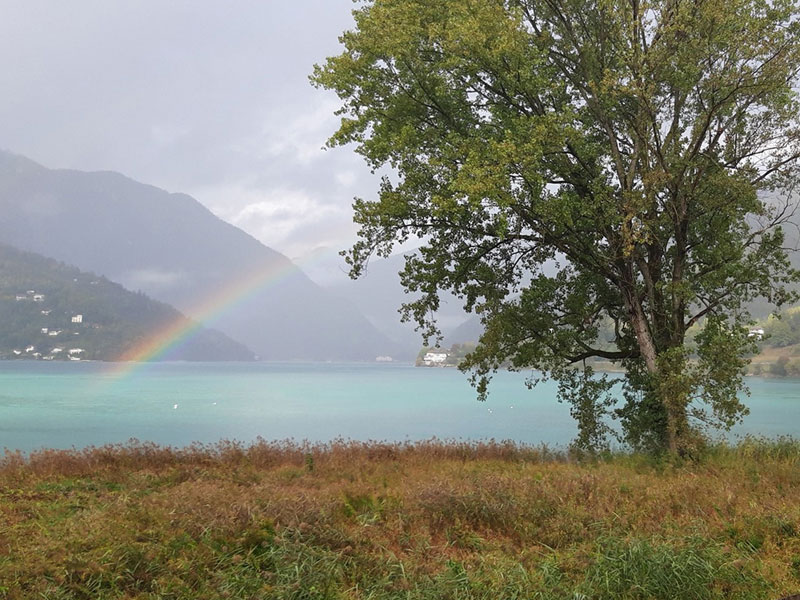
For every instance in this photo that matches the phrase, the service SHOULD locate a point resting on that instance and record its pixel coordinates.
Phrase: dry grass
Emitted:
(428, 520)
(770, 354)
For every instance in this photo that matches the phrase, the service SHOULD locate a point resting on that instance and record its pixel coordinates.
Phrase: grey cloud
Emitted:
(209, 98)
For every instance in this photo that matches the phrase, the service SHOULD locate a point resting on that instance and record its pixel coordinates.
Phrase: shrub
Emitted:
(793, 367)
(641, 570)
(778, 368)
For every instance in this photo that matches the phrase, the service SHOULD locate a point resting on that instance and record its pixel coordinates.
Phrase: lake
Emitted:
(60, 405)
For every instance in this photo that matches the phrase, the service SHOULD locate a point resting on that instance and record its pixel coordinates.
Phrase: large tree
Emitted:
(643, 152)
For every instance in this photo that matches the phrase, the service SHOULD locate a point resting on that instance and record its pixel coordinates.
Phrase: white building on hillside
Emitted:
(434, 358)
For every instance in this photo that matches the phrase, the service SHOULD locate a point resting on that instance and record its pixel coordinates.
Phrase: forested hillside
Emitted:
(52, 311)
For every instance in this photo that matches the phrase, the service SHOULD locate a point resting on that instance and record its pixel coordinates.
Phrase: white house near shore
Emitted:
(434, 358)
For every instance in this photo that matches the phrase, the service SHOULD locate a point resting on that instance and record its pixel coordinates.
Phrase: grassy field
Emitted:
(431, 520)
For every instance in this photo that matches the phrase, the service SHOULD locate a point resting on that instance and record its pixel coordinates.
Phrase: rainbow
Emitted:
(232, 294)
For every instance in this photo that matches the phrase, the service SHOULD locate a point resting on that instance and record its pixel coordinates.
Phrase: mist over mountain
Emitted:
(378, 294)
(52, 311)
(172, 248)
(469, 331)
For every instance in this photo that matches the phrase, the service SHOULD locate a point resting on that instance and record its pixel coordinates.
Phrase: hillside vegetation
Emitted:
(414, 521)
(42, 300)
(779, 351)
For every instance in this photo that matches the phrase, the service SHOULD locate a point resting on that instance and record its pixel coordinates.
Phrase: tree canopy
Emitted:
(574, 163)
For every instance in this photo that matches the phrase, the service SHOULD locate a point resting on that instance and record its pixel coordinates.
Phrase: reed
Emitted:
(435, 519)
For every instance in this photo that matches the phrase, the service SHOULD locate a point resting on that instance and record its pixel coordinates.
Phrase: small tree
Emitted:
(575, 164)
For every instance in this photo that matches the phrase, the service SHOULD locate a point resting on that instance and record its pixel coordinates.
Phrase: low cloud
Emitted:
(346, 178)
(151, 278)
(302, 137)
(291, 221)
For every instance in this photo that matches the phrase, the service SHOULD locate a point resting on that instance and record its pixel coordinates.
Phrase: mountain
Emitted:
(175, 250)
(50, 310)
(469, 331)
(378, 294)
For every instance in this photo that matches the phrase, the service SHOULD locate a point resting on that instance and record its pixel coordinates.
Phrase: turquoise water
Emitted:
(61, 405)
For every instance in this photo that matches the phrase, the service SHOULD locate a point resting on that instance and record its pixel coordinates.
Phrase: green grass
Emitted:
(414, 521)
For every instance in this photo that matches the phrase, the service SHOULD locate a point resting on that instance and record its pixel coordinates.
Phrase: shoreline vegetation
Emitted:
(771, 361)
(351, 520)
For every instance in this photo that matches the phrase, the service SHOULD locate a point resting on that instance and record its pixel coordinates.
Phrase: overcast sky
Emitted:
(205, 97)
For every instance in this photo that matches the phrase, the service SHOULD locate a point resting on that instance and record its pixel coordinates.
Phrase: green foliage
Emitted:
(783, 330)
(590, 401)
(639, 570)
(631, 145)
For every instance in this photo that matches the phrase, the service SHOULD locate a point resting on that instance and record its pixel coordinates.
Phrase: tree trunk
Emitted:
(672, 428)
(638, 320)
(649, 353)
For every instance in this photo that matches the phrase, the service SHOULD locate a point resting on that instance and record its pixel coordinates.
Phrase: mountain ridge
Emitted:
(171, 247)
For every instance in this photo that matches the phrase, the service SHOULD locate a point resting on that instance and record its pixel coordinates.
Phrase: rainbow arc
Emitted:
(205, 312)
